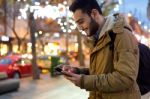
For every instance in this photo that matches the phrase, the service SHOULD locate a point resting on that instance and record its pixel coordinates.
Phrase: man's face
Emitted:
(85, 22)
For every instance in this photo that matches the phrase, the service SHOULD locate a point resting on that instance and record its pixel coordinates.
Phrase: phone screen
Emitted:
(60, 71)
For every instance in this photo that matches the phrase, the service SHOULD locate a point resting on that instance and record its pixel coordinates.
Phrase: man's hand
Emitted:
(74, 78)
(68, 68)
(70, 73)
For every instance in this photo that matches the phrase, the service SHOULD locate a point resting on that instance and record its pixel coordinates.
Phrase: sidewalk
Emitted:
(46, 88)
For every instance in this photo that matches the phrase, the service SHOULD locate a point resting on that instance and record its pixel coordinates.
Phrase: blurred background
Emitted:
(37, 35)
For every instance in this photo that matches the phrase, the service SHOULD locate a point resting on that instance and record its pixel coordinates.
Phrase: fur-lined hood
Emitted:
(114, 22)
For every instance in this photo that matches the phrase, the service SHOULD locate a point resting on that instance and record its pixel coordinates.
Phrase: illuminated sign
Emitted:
(4, 38)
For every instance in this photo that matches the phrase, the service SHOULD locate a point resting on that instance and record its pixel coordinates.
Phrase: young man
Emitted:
(112, 73)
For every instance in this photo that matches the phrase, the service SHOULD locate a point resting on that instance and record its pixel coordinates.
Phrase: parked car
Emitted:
(16, 66)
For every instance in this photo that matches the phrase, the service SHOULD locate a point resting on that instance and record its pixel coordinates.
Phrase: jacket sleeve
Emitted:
(84, 71)
(125, 68)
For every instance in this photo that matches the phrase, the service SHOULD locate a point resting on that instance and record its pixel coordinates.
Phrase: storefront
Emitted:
(5, 45)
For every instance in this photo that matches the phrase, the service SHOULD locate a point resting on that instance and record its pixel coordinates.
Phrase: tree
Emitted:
(32, 25)
(13, 11)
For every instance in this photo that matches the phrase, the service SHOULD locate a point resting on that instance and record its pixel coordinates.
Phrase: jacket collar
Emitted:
(105, 39)
(115, 22)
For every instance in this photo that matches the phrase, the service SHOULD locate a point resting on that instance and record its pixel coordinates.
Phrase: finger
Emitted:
(66, 68)
(69, 74)
(72, 70)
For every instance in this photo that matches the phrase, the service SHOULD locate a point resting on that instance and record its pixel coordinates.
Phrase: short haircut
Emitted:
(85, 5)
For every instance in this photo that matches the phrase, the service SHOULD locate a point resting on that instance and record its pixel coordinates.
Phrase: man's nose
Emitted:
(80, 27)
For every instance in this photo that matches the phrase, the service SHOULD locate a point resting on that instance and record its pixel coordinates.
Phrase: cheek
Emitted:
(86, 25)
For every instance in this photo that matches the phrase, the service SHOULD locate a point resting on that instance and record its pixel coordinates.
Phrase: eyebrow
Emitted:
(79, 20)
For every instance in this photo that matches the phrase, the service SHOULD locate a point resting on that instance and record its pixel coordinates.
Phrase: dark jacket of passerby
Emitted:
(113, 73)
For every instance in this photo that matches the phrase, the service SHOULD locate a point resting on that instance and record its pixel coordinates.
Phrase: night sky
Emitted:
(138, 8)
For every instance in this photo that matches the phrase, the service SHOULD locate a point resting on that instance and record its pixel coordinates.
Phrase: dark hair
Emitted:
(85, 5)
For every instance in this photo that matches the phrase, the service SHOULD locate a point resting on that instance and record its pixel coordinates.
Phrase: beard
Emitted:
(94, 26)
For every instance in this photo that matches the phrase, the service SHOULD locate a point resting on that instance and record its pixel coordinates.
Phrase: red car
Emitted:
(15, 66)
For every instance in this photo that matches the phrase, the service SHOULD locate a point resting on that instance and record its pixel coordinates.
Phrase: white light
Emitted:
(40, 32)
(120, 2)
(56, 35)
(65, 23)
(24, 15)
(47, 34)
(27, 6)
(46, 12)
(82, 32)
(116, 8)
(33, 8)
(69, 31)
(64, 30)
(71, 21)
(35, 17)
(37, 3)
(61, 24)
(139, 22)
(36, 45)
(145, 27)
(29, 44)
(24, 0)
(149, 30)
(73, 27)
(129, 15)
(24, 56)
(36, 34)
(62, 10)
(70, 14)
(24, 12)
(18, 0)
(65, 2)
(19, 17)
(30, 56)
(51, 9)
(67, 7)
(59, 21)
(144, 40)
(47, 2)
(138, 37)
(5, 38)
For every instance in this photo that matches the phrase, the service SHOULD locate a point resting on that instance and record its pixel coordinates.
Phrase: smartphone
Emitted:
(60, 71)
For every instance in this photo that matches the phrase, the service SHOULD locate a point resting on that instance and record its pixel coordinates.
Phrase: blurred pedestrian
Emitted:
(113, 67)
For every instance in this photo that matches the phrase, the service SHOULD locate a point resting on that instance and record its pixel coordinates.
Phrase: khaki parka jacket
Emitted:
(113, 73)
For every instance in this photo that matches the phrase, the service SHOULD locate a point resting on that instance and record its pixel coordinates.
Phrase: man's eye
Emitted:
(80, 22)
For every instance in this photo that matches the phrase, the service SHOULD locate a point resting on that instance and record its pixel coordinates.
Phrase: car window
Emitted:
(23, 61)
(27, 61)
(18, 62)
(5, 61)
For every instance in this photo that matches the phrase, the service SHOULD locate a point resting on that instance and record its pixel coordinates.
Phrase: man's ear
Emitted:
(94, 13)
